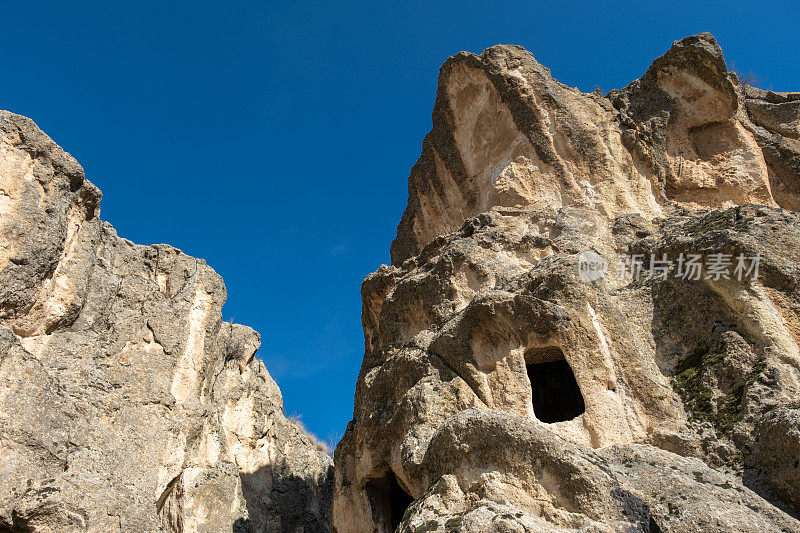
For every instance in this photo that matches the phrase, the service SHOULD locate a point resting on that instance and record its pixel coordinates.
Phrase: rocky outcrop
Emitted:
(514, 378)
(126, 403)
(505, 387)
(505, 133)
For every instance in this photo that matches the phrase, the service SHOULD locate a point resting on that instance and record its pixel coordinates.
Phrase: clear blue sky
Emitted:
(275, 140)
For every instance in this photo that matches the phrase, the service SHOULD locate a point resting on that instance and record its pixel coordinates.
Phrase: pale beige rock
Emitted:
(677, 380)
(126, 403)
(506, 133)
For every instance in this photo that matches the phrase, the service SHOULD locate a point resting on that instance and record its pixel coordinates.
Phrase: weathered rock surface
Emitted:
(501, 391)
(126, 403)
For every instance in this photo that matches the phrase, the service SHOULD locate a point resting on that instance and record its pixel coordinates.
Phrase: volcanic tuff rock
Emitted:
(126, 403)
(500, 392)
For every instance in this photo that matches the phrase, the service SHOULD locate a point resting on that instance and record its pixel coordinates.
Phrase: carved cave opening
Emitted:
(556, 394)
(388, 501)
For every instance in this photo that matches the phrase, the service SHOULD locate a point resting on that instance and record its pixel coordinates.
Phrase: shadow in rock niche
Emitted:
(278, 502)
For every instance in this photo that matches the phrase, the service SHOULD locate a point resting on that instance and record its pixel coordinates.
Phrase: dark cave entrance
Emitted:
(556, 395)
(388, 501)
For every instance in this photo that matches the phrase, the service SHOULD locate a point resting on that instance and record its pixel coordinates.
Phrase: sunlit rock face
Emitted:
(505, 133)
(503, 389)
(126, 403)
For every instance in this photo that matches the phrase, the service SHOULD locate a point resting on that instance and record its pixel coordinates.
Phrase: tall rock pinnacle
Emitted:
(592, 318)
(591, 322)
(126, 403)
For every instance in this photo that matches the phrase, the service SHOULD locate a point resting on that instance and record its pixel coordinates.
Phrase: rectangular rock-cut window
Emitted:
(556, 394)
(388, 501)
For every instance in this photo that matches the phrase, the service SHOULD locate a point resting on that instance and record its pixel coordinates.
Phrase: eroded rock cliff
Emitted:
(505, 389)
(507, 384)
(126, 403)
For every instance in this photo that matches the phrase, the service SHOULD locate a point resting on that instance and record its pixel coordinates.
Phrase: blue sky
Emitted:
(275, 139)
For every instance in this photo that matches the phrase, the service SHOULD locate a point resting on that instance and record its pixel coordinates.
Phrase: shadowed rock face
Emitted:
(690, 388)
(126, 403)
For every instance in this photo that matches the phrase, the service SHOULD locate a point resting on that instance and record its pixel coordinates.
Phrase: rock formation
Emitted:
(126, 403)
(503, 389)
(513, 380)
